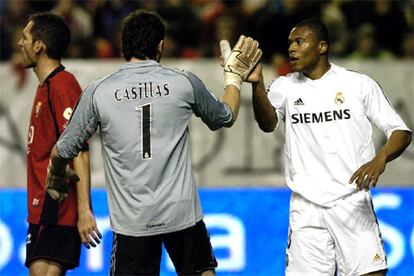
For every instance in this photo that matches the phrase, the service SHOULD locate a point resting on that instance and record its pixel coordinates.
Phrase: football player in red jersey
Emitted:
(57, 226)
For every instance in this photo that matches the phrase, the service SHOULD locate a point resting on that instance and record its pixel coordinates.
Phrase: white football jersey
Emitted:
(328, 129)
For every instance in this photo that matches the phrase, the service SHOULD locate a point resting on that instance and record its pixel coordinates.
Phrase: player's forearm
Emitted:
(395, 146)
(82, 168)
(232, 98)
(263, 110)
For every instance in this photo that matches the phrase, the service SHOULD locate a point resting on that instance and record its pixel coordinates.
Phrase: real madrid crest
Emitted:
(38, 108)
(339, 98)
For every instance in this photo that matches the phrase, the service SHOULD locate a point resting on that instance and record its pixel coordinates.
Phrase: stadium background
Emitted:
(239, 170)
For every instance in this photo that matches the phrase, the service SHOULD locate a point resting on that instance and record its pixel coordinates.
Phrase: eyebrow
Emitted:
(295, 38)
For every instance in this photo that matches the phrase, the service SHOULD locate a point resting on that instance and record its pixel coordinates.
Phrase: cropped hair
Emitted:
(318, 28)
(53, 31)
(142, 31)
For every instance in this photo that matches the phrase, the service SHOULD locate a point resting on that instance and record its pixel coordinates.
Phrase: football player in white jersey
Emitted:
(330, 160)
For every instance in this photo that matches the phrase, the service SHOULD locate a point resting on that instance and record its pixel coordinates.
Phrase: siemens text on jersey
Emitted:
(320, 117)
(144, 90)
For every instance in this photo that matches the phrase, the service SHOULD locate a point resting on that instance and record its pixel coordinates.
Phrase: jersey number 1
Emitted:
(145, 130)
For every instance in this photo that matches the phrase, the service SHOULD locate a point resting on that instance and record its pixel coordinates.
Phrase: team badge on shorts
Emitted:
(29, 238)
(35, 202)
(339, 98)
(38, 108)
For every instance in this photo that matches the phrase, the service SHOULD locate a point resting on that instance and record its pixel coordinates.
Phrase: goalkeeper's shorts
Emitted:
(60, 244)
(189, 249)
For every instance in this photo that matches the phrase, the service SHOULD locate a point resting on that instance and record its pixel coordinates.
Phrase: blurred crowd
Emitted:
(379, 29)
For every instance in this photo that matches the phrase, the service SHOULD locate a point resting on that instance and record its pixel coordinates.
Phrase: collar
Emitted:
(140, 64)
(54, 72)
(327, 74)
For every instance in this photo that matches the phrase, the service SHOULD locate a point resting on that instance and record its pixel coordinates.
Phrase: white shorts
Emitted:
(344, 238)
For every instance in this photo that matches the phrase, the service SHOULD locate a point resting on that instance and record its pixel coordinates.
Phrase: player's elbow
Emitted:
(402, 136)
(215, 127)
(230, 123)
(409, 137)
(267, 127)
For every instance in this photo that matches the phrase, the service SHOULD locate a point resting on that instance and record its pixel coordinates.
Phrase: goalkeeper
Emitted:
(152, 194)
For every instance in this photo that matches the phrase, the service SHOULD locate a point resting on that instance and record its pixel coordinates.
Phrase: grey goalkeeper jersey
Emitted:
(142, 112)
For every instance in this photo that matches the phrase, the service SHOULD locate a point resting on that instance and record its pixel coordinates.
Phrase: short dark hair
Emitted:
(142, 31)
(318, 28)
(53, 31)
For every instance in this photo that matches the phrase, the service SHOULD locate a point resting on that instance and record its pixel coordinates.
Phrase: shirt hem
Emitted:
(58, 224)
(156, 232)
(372, 269)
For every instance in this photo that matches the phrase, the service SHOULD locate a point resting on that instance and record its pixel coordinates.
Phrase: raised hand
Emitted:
(240, 61)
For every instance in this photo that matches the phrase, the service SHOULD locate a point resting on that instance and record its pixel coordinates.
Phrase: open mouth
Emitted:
(293, 59)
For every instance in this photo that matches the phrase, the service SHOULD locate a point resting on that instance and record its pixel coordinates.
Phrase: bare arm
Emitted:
(368, 174)
(264, 112)
(238, 63)
(395, 146)
(86, 221)
(232, 99)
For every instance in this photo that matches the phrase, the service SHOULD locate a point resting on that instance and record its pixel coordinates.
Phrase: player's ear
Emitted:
(160, 48)
(323, 47)
(38, 46)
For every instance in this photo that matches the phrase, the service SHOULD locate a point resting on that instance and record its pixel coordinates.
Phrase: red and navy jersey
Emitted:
(53, 104)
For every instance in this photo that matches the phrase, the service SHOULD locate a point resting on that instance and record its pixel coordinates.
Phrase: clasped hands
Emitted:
(239, 61)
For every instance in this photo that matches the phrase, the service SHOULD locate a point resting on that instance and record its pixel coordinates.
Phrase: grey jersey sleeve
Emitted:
(83, 123)
(212, 112)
